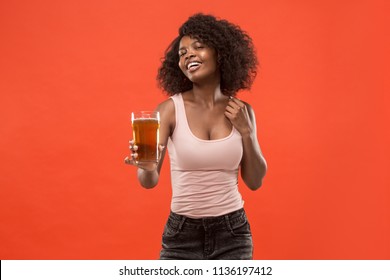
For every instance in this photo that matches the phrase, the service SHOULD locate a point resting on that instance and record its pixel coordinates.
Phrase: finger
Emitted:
(238, 102)
(229, 115)
(231, 107)
(231, 110)
(131, 142)
(130, 161)
(133, 147)
(234, 105)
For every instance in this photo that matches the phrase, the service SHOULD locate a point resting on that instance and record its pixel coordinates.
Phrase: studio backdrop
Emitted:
(71, 72)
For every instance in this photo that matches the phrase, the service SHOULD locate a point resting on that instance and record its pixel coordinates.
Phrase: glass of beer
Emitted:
(146, 126)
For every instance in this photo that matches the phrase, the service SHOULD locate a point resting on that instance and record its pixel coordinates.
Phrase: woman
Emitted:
(210, 135)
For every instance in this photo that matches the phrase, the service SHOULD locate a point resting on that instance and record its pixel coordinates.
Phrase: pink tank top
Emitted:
(204, 173)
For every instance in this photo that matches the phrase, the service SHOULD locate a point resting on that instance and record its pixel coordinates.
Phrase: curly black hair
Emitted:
(237, 60)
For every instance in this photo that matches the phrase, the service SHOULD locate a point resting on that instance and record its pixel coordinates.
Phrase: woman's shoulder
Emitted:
(247, 105)
(167, 111)
(166, 105)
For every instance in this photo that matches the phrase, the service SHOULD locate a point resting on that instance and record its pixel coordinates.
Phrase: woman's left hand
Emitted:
(237, 112)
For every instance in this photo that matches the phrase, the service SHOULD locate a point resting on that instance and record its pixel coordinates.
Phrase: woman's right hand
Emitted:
(132, 159)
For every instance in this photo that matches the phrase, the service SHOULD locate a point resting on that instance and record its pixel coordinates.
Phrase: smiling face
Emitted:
(198, 61)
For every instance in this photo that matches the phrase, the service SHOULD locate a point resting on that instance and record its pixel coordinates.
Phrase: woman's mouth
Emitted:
(193, 66)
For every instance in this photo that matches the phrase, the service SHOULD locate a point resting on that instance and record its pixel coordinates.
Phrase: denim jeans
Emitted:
(226, 237)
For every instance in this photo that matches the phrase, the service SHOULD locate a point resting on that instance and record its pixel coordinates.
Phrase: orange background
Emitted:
(72, 71)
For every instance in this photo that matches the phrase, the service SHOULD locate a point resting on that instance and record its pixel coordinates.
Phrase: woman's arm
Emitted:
(253, 164)
(149, 173)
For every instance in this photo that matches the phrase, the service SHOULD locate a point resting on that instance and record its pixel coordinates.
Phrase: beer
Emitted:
(146, 135)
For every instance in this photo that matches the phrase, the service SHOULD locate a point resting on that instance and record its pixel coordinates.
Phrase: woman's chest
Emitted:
(207, 124)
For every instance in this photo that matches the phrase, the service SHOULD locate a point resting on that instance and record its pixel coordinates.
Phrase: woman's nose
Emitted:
(190, 54)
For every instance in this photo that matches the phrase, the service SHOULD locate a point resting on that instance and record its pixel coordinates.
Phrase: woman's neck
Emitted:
(207, 95)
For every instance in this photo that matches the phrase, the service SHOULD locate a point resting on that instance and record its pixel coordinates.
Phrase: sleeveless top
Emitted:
(204, 173)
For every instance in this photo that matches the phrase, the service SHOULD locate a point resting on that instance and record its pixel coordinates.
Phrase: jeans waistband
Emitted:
(232, 216)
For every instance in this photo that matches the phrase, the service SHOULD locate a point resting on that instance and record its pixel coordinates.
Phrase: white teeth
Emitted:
(191, 64)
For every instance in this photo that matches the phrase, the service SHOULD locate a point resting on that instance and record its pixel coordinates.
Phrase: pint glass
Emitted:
(146, 126)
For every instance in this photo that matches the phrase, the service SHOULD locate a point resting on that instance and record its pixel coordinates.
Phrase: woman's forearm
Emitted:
(253, 165)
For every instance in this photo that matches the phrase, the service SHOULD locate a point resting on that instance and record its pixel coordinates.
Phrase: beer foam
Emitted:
(146, 119)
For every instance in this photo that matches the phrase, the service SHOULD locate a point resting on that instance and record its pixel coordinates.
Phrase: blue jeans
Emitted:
(226, 237)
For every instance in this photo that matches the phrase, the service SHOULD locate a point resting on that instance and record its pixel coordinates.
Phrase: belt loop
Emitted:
(228, 222)
(183, 219)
